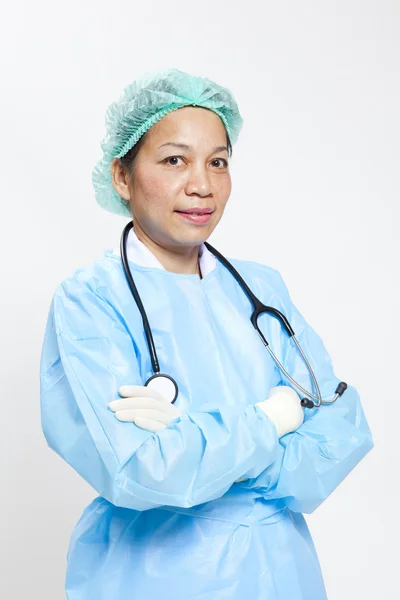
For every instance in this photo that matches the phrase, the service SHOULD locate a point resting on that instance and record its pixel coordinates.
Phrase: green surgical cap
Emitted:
(143, 103)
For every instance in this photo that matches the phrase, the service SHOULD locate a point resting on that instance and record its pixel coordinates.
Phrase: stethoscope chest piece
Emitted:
(167, 386)
(164, 385)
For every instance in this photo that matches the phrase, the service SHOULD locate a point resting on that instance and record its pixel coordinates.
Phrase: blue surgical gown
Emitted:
(170, 520)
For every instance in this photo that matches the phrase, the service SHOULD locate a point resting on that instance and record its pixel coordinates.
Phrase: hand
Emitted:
(283, 408)
(145, 407)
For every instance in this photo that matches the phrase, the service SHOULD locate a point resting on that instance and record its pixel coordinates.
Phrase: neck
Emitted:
(183, 259)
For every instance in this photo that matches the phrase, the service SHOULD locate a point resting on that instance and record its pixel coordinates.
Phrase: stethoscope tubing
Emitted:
(146, 326)
(258, 309)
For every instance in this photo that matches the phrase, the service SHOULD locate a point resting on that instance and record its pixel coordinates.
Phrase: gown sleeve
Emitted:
(314, 459)
(87, 354)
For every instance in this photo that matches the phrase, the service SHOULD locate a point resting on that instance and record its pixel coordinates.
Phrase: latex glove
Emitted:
(145, 407)
(283, 408)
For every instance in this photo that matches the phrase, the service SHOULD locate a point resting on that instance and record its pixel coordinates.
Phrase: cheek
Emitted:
(224, 190)
(154, 192)
(153, 188)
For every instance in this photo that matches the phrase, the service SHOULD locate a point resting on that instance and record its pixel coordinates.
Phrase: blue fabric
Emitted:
(170, 521)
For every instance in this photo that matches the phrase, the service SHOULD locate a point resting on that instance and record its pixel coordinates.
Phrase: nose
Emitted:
(198, 181)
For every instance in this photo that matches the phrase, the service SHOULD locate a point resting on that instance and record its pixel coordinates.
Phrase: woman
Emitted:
(201, 497)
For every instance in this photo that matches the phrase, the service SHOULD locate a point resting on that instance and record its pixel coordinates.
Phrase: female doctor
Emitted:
(200, 497)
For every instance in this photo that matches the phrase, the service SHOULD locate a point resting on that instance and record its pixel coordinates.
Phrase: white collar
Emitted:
(140, 254)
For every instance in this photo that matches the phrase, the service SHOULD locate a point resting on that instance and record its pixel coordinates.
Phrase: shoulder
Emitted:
(260, 275)
(266, 283)
(88, 292)
(93, 277)
(254, 268)
(84, 303)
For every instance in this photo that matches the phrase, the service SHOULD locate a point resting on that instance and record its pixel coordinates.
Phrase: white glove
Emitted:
(145, 407)
(283, 408)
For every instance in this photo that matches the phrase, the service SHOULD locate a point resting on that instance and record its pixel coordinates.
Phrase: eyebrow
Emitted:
(186, 147)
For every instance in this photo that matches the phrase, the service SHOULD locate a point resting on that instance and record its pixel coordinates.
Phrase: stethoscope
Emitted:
(167, 386)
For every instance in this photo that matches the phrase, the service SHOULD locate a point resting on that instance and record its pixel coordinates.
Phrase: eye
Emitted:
(219, 160)
(169, 158)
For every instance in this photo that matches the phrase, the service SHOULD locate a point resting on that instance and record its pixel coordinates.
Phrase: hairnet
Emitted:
(143, 103)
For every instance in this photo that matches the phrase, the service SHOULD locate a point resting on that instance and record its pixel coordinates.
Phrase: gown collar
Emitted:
(140, 254)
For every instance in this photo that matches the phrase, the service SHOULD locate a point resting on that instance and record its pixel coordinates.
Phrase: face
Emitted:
(182, 165)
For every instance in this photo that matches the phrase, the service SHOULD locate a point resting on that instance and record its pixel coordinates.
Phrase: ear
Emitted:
(120, 179)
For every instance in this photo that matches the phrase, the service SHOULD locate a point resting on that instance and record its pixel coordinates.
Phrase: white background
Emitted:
(315, 194)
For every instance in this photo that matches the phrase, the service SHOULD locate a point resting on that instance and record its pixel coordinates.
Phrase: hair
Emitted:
(129, 159)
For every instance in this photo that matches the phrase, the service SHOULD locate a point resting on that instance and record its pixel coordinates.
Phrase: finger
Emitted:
(133, 391)
(153, 414)
(140, 402)
(149, 424)
(126, 416)
(125, 404)
(130, 415)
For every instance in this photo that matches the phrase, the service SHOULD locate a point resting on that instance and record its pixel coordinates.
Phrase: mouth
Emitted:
(196, 215)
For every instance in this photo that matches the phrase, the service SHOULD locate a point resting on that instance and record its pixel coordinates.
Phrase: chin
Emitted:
(191, 238)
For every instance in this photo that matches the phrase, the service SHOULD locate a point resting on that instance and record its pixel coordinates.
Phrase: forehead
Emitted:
(188, 125)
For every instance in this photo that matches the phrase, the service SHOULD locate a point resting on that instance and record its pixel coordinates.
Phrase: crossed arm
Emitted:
(200, 454)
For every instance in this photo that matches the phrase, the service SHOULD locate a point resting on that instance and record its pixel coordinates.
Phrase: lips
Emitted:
(196, 211)
(199, 216)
